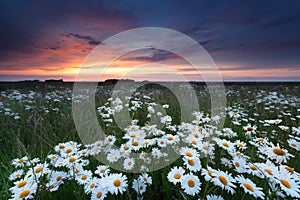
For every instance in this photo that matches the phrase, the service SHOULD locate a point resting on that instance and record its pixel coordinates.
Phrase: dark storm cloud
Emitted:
(155, 55)
(89, 39)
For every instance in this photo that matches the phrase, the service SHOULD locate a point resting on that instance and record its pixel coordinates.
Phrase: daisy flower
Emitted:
(116, 183)
(139, 186)
(241, 145)
(250, 129)
(128, 163)
(224, 180)
(84, 177)
(228, 132)
(125, 148)
(156, 153)
(239, 163)
(146, 178)
(268, 169)
(252, 168)
(25, 192)
(214, 197)
(23, 183)
(226, 162)
(20, 162)
(91, 185)
(278, 154)
(250, 187)
(162, 142)
(191, 184)
(16, 175)
(56, 179)
(98, 193)
(33, 162)
(288, 184)
(189, 153)
(192, 164)
(113, 155)
(39, 170)
(225, 144)
(102, 170)
(171, 139)
(110, 139)
(294, 144)
(208, 173)
(175, 175)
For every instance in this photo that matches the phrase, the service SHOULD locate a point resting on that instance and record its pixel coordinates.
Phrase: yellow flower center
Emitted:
(24, 193)
(21, 160)
(62, 146)
(269, 171)
(205, 147)
(189, 154)
(22, 183)
(260, 139)
(210, 173)
(141, 187)
(145, 179)
(237, 164)
(291, 170)
(38, 170)
(17, 175)
(285, 183)
(177, 176)
(194, 142)
(225, 144)
(99, 195)
(84, 177)
(132, 135)
(72, 159)
(102, 170)
(68, 150)
(92, 185)
(196, 135)
(249, 187)
(191, 183)
(117, 182)
(253, 167)
(249, 128)
(191, 162)
(223, 180)
(294, 145)
(240, 145)
(278, 151)
(170, 138)
(53, 157)
(135, 143)
(59, 178)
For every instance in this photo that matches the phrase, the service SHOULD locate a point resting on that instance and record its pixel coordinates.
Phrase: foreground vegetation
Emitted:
(254, 155)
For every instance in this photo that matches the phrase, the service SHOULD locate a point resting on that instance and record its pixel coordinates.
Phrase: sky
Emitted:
(247, 40)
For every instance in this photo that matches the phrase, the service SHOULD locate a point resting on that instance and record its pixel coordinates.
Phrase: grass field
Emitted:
(254, 155)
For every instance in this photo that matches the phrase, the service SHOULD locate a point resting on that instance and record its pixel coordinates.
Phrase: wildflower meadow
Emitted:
(250, 150)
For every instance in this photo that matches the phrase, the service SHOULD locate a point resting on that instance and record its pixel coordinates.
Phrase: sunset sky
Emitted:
(248, 41)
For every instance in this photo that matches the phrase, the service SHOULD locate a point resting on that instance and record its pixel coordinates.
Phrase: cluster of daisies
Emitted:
(254, 153)
(33, 176)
